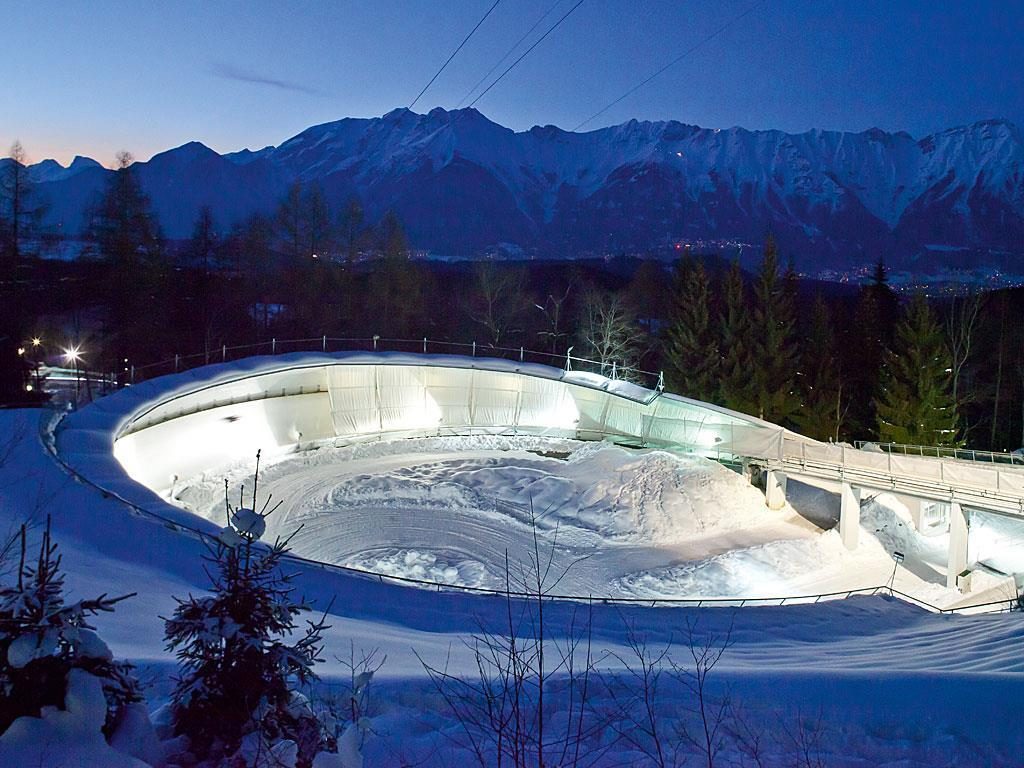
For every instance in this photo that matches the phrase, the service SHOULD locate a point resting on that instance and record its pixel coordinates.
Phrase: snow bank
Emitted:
(69, 737)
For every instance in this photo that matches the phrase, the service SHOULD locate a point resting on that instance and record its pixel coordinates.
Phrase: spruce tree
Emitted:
(735, 389)
(235, 695)
(871, 334)
(125, 235)
(42, 639)
(351, 229)
(692, 349)
(915, 403)
(122, 227)
(822, 404)
(773, 348)
(396, 289)
(291, 223)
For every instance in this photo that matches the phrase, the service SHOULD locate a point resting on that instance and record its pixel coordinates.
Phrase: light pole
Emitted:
(71, 356)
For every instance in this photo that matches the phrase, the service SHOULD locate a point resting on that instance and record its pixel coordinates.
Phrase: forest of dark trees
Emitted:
(835, 362)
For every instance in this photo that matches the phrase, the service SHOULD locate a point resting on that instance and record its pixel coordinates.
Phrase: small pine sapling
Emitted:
(236, 692)
(42, 640)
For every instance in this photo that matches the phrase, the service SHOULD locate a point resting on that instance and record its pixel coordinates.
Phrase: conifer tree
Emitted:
(773, 349)
(42, 639)
(351, 229)
(869, 337)
(693, 356)
(291, 222)
(823, 406)
(125, 234)
(122, 226)
(396, 287)
(21, 210)
(915, 403)
(202, 252)
(236, 696)
(735, 390)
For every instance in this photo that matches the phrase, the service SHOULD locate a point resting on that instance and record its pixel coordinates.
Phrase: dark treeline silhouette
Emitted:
(836, 362)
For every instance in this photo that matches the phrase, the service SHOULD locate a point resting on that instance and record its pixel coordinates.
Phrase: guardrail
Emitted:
(611, 369)
(940, 452)
(998, 490)
(52, 419)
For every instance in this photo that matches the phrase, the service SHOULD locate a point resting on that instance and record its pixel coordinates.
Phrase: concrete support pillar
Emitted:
(849, 515)
(915, 508)
(958, 532)
(775, 489)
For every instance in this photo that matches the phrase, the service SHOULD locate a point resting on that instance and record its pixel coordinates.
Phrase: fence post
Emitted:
(176, 358)
(223, 352)
(325, 343)
(133, 374)
(661, 381)
(424, 345)
(376, 337)
(520, 354)
(273, 346)
(615, 373)
(474, 349)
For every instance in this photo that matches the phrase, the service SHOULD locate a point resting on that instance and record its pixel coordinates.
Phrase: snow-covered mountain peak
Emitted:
(462, 183)
(50, 170)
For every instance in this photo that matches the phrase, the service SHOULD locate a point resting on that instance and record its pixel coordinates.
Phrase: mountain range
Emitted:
(464, 185)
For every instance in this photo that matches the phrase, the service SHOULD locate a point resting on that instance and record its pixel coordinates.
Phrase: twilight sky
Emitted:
(95, 77)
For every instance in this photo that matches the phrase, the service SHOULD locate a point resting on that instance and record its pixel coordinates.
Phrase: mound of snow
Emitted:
(72, 737)
(437, 568)
(761, 571)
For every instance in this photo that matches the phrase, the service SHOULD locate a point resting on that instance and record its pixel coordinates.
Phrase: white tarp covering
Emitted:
(235, 407)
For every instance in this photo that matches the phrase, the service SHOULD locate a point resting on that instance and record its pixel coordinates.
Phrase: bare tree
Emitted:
(501, 711)
(750, 737)
(803, 738)
(711, 712)
(637, 709)
(554, 313)
(961, 323)
(608, 332)
(498, 302)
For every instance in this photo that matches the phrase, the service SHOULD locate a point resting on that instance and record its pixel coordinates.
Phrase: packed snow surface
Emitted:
(610, 521)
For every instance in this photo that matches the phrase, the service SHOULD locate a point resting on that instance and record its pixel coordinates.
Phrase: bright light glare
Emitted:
(72, 354)
(36, 341)
(707, 439)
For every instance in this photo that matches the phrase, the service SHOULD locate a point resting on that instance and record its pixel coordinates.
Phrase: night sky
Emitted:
(93, 78)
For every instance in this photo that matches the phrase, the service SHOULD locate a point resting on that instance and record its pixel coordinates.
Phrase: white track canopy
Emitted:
(189, 423)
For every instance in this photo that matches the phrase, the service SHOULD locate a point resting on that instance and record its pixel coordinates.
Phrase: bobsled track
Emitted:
(140, 444)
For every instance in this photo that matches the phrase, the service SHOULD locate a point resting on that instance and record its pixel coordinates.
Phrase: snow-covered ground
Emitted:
(873, 681)
(612, 521)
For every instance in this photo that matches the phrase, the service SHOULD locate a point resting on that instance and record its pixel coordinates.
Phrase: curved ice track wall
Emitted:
(178, 426)
(138, 443)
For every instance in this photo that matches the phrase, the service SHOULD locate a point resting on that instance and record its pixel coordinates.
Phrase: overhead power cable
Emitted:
(508, 53)
(448, 60)
(525, 53)
(672, 63)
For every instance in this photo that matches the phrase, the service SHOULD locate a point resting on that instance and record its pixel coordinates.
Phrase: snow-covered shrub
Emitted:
(234, 699)
(42, 640)
(345, 714)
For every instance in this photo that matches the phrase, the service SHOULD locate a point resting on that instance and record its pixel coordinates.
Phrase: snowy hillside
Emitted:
(462, 183)
(855, 683)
